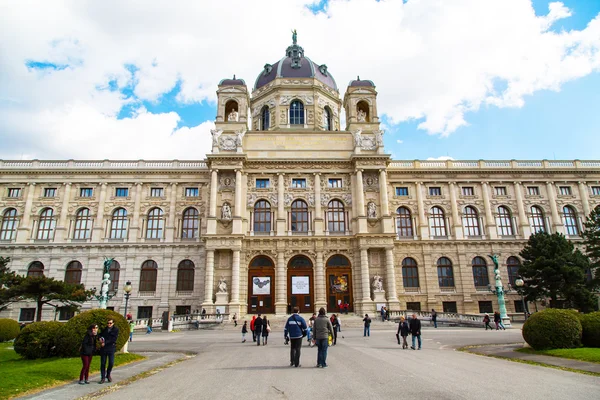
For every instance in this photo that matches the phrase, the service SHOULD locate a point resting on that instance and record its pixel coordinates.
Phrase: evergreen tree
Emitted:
(8, 279)
(591, 240)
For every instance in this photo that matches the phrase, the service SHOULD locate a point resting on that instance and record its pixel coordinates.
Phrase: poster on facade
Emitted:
(261, 285)
(338, 284)
(300, 285)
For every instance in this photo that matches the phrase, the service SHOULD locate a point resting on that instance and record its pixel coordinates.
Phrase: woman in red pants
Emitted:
(87, 349)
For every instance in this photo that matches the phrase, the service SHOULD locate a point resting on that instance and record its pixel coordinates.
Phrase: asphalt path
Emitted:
(359, 368)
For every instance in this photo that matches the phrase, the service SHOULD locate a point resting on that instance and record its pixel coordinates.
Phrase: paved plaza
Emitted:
(359, 368)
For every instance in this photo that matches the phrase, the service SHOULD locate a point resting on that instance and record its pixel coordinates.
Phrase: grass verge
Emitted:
(588, 354)
(21, 376)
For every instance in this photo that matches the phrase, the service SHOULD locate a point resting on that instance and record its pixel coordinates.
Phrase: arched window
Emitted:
(262, 262)
(297, 113)
(471, 221)
(73, 272)
(410, 273)
(148, 276)
(445, 273)
(118, 224)
(262, 216)
(189, 224)
(570, 221)
(155, 224)
(537, 220)
(480, 272)
(36, 268)
(265, 118)
(504, 222)
(47, 224)
(404, 225)
(327, 120)
(512, 265)
(299, 216)
(337, 260)
(336, 216)
(185, 276)
(83, 224)
(8, 229)
(115, 272)
(437, 222)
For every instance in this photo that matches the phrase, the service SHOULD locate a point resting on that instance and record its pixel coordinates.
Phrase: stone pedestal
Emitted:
(222, 300)
(379, 297)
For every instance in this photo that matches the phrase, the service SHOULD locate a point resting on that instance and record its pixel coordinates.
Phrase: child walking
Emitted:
(244, 331)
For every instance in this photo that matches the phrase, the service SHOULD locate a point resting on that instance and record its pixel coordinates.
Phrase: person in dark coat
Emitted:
(335, 322)
(87, 350)
(367, 323)
(244, 331)
(415, 331)
(265, 331)
(108, 338)
(403, 331)
(486, 321)
(498, 321)
(434, 318)
(258, 326)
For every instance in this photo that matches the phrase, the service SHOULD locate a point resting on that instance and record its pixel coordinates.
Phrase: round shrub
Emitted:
(38, 340)
(591, 329)
(9, 329)
(553, 329)
(72, 333)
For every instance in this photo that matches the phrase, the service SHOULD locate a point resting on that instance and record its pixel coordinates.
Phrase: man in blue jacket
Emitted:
(295, 330)
(108, 338)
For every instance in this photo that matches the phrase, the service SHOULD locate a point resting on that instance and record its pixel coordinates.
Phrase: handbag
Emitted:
(269, 328)
(330, 339)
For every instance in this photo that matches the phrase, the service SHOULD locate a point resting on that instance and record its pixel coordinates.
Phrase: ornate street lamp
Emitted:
(127, 289)
(499, 291)
(520, 283)
(104, 295)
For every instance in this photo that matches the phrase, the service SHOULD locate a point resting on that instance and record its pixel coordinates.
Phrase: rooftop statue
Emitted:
(294, 36)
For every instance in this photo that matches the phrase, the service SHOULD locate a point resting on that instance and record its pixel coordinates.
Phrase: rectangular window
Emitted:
(50, 192)
(500, 190)
(401, 191)
(519, 306)
(596, 190)
(486, 307)
(262, 183)
(449, 306)
(335, 183)
(183, 310)
(86, 192)
(121, 192)
(533, 190)
(468, 191)
(65, 313)
(298, 183)
(435, 191)
(156, 192)
(413, 305)
(144, 312)
(27, 314)
(14, 192)
(565, 190)
(191, 192)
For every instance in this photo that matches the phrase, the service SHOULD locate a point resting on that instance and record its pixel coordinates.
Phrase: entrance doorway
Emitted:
(261, 286)
(300, 284)
(339, 284)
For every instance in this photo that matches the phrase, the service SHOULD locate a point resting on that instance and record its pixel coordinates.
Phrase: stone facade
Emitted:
(293, 211)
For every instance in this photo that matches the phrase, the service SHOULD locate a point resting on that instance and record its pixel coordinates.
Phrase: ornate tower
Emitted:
(232, 114)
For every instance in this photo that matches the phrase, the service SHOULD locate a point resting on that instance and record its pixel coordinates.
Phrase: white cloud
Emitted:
(431, 60)
(399, 141)
(441, 158)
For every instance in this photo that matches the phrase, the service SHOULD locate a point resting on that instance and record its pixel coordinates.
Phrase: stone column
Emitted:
(24, 230)
(318, 224)
(391, 280)
(423, 226)
(557, 225)
(585, 202)
(360, 193)
(97, 233)
(489, 217)
(171, 225)
(235, 277)
(135, 221)
(281, 217)
(62, 228)
(523, 221)
(281, 283)
(456, 223)
(213, 194)
(238, 194)
(364, 275)
(321, 297)
(209, 278)
(383, 193)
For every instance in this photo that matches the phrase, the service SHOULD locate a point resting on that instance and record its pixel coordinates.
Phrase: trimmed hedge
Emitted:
(38, 340)
(9, 329)
(72, 333)
(553, 329)
(591, 329)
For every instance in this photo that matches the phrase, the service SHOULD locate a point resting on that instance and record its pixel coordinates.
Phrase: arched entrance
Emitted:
(339, 283)
(261, 286)
(300, 284)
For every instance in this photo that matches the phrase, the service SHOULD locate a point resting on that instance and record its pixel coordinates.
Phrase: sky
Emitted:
(460, 79)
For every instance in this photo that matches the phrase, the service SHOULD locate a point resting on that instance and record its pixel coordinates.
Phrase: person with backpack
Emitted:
(367, 322)
(403, 331)
(486, 321)
(295, 329)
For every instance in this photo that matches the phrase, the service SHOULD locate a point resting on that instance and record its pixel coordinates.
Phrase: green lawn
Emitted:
(20, 375)
(589, 354)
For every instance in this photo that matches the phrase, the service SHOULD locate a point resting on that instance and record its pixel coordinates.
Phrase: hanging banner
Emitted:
(261, 285)
(300, 285)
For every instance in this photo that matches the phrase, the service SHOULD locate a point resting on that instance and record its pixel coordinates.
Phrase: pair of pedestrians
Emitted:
(296, 329)
(108, 347)
(260, 328)
(413, 327)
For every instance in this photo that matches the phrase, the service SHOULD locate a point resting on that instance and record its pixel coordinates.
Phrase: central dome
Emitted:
(295, 65)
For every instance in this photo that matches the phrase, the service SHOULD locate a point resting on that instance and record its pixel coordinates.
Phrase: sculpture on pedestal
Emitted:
(226, 211)
(377, 283)
(104, 297)
(371, 210)
(222, 287)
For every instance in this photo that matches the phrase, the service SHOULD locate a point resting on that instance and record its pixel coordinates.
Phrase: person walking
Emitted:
(322, 328)
(498, 321)
(149, 326)
(252, 328)
(434, 318)
(367, 322)
(258, 327)
(336, 324)
(244, 331)
(131, 329)
(383, 314)
(309, 330)
(295, 329)
(87, 349)
(108, 337)
(234, 320)
(403, 330)
(415, 331)
(266, 328)
(486, 322)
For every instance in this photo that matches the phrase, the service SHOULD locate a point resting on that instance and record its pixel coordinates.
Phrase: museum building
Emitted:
(288, 209)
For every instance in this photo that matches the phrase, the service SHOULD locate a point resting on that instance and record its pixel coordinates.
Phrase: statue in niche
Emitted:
(216, 134)
(379, 138)
(233, 116)
(371, 210)
(238, 137)
(377, 283)
(226, 211)
(361, 115)
(222, 287)
(357, 138)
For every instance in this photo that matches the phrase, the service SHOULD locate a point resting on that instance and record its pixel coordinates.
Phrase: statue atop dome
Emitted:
(294, 36)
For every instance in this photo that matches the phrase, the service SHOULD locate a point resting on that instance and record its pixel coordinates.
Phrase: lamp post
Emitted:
(520, 283)
(499, 291)
(127, 289)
